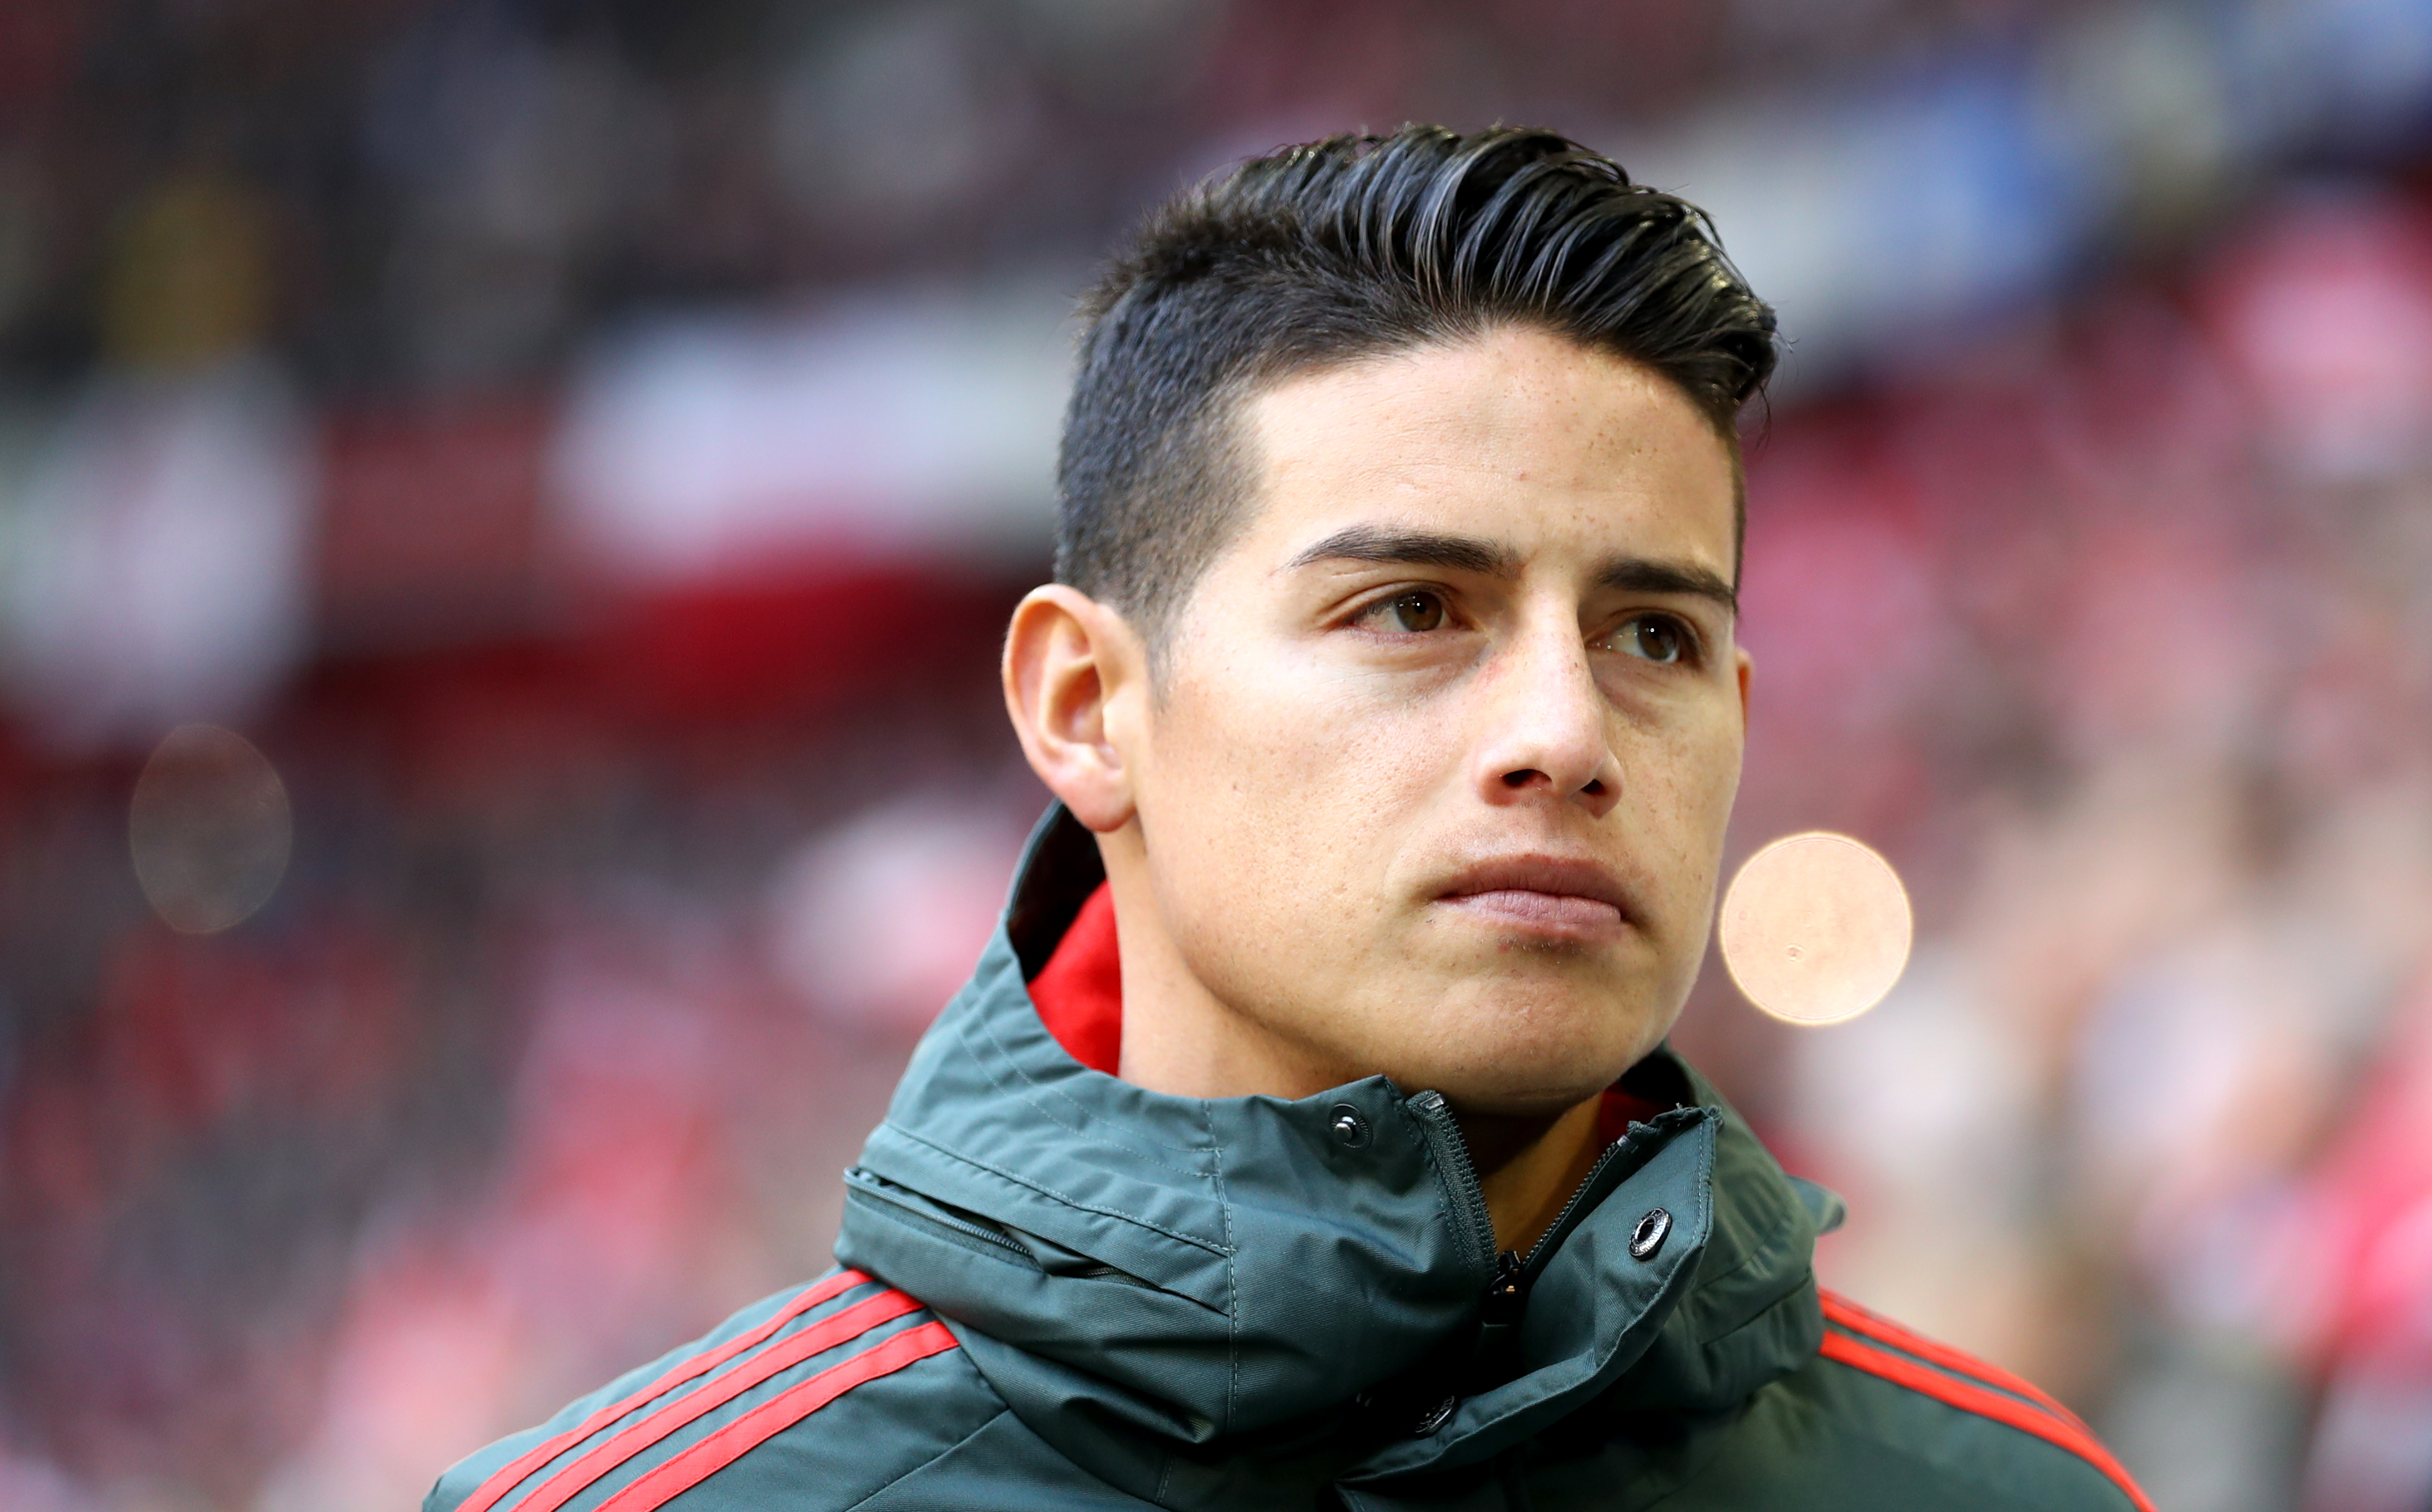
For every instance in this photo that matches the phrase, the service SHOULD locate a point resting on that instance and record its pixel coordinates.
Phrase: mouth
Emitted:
(1550, 899)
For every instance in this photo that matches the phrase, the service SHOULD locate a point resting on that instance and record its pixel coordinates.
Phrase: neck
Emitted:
(1529, 1167)
(1181, 1039)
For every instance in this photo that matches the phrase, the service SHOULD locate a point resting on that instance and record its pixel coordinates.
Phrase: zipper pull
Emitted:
(1496, 1357)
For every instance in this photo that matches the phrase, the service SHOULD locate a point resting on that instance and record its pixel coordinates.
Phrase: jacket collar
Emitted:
(1162, 1287)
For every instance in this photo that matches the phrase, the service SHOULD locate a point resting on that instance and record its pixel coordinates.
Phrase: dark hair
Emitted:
(1316, 255)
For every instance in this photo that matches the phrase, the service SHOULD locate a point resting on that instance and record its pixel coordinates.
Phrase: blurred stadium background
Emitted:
(587, 450)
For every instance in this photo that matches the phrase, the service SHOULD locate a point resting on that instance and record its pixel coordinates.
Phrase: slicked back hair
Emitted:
(1315, 255)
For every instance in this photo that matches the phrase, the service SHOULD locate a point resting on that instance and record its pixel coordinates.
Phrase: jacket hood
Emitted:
(1161, 1285)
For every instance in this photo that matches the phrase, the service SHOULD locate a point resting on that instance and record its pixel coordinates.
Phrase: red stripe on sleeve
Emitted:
(1985, 1402)
(784, 1355)
(1858, 1320)
(774, 1416)
(507, 1479)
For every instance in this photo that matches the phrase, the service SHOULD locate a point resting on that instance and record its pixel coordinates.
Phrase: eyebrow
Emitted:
(1460, 553)
(1415, 549)
(1644, 575)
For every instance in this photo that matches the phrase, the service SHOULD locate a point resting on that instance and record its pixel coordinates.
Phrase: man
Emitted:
(1307, 1137)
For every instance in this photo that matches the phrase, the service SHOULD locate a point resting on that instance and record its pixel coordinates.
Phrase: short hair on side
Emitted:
(1317, 255)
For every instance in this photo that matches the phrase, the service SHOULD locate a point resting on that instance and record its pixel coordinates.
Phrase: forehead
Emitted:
(1517, 435)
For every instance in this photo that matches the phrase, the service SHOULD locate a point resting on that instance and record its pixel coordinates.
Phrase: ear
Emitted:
(1746, 665)
(1075, 686)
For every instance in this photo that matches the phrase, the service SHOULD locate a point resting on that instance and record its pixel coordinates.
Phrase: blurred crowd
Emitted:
(2117, 635)
(587, 448)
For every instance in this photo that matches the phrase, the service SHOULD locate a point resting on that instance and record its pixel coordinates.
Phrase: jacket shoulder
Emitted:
(1921, 1424)
(839, 1389)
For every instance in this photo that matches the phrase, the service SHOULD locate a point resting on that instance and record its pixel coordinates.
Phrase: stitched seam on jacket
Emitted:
(1765, 1253)
(1232, 1276)
(1216, 1249)
(1774, 1244)
(1760, 1310)
(984, 1024)
(938, 1458)
(1762, 1316)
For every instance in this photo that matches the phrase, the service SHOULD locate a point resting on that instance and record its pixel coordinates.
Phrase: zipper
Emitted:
(1495, 1357)
(1494, 1353)
(936, 1218)
(1583, 1198)
(1452, 1157)
(907, 1206)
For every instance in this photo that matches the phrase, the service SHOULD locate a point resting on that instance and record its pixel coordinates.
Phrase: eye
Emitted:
(1415, 611)
(1654, 638)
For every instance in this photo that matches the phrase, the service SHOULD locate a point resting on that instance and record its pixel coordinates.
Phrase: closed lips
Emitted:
(1548, 891)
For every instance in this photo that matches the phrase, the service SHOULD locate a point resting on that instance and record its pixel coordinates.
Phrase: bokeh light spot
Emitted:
(1815, 928)
(210, 827)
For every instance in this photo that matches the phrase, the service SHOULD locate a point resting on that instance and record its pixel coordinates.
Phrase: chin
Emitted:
(1529, 1062)
(1497, 1090)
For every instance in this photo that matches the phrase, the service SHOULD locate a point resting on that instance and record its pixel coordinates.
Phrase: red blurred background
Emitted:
(588, 449)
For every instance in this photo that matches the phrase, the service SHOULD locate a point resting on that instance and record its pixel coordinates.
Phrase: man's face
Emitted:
(1445, 743)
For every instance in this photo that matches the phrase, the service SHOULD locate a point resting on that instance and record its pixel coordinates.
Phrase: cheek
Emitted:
(1718, 765)
(1288, 745)
(1686, 782)
(1277, 787)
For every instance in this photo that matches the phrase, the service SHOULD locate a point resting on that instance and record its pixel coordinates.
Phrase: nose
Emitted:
(1548, 732)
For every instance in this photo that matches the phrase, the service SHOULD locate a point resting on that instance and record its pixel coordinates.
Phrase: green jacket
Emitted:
(1061, 1291)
